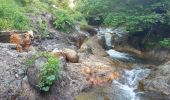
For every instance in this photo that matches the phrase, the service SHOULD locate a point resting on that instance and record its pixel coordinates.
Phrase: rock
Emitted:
(95, 20)
(71, 55)
(92, 46)
(63, 63)
(129, 49)
(58, 53)
(159, 80)
(76, 39)
(10, 63)
(87, 28)
(21, 72)
(102, 42)
(34, 71)
(158, 54)
(27, 93)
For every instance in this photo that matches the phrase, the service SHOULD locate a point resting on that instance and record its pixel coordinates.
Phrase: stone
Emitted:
(58, 53)
(71, 55)
(92, 46)
(90, 29)
(76, 39)
(34, 71)
(159, 80)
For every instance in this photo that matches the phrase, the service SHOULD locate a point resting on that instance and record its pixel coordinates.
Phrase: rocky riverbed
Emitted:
(85, 64)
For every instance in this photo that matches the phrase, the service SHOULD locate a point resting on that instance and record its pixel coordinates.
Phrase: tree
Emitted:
(149, 17)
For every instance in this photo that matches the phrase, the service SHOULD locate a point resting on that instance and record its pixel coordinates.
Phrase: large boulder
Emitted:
(58, 53)
(90, 29)
(12, 72)
(92, 46)
(159, 80)
(76, 39)
(71, 55)
(33, 71)
(158, 54)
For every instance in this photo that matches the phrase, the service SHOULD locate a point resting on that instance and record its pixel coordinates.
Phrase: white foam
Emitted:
(128, 83)
(115, 54)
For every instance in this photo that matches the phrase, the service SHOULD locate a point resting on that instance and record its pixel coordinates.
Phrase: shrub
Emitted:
(63, 21)
(49, 72)
(21, 21)
(5, 24)
(43, 28)
(12, 18)
(165, 43)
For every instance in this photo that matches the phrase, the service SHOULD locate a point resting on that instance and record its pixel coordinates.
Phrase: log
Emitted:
(4, 37)
(8, 45)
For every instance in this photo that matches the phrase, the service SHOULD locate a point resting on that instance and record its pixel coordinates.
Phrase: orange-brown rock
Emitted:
(23, 41)
(99, 76)
(16, 38)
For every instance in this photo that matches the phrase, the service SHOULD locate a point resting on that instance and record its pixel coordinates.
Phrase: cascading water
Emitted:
(107, 33)
(126, 86)
(123, 88)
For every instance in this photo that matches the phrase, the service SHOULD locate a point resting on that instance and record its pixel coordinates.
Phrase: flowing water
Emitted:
(124, 88)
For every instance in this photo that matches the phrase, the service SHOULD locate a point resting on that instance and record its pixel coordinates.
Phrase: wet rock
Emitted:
(100, 76)
(129, 49)
(158, 54)
(91, 30)
(159, 80)
(102, 41)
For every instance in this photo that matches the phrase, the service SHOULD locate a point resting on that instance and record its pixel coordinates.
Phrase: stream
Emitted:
(126, 86)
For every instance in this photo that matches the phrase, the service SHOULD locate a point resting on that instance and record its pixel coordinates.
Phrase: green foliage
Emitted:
(63, 21)
(133, 23)
(165, 43)
(63, 4)
(147, 17)
(43, 28)
(5, 24)
(11, 17)
(136, 15)
(49, 72)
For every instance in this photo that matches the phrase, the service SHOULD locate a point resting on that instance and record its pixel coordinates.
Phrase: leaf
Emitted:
(46, 88)
(51, 77)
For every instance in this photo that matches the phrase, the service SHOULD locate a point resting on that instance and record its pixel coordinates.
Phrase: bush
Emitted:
(63, 21)
(43, 28)
(12, 18)
(165, 43)
(49, 73)
(5, 24)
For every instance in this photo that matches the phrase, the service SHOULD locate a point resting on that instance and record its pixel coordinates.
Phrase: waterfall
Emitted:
(124, 88)
(107, 33)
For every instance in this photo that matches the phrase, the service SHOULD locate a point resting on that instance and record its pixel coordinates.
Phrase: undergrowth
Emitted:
(49, 73)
